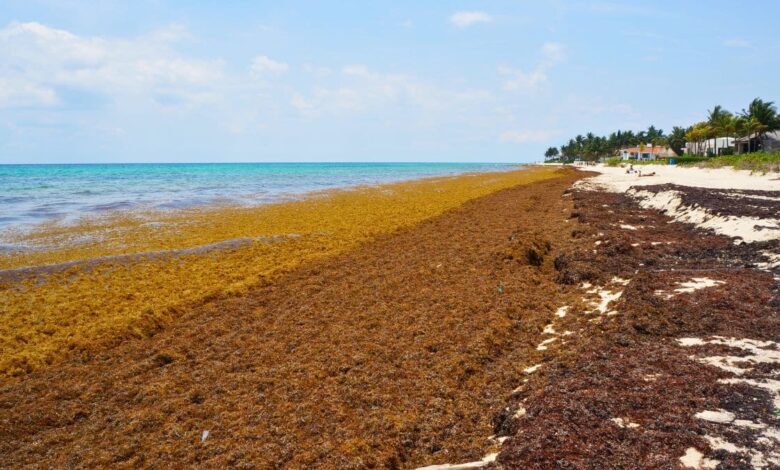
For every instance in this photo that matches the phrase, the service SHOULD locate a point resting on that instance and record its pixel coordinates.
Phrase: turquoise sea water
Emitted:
(36, 193)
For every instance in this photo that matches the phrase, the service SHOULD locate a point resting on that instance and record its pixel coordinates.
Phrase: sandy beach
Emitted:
(541, 318)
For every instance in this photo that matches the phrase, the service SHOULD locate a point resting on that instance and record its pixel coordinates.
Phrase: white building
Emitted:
(649, 152)
(707, 147)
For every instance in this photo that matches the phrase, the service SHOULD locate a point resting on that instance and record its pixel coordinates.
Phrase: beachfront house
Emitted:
(649, 152)
(707, 147)
(770, 142)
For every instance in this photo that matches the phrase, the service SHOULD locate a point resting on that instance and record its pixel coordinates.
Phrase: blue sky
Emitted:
(175, 81)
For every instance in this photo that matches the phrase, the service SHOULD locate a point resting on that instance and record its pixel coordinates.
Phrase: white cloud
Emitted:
(518, 80)
(464, 19)
(620, 9)
(361, 89)
(737, 42)
(356, 71)
(552, 54)
(300, 103)
(14, 92)
(317, 70)
(526, 135)
(39, 60)
(262, 65)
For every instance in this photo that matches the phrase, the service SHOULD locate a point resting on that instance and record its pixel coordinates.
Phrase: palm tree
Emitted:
(629, 138)
(698, 133)
(728, 125)
(692, 136)
(676, 140)
(765, 113)
(654, 134)
(755, 127)
(718, 119)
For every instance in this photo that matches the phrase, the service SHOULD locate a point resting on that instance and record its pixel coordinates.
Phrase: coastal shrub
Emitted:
(761, 162)
(688, 159)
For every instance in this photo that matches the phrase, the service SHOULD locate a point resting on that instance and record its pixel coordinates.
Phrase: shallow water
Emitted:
(37, 193)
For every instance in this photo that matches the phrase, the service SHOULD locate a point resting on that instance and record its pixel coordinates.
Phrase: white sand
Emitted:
(695, 459)
(532, 369)
(760, 352)
(625, 423)
(687, 287)
(720, 416)
(697, 283)
(543, 345)
(731, 226)
(607, 297)
(615, 179)
(463, 466)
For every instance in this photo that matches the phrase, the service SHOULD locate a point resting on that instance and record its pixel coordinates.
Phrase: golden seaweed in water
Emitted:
(145, 269)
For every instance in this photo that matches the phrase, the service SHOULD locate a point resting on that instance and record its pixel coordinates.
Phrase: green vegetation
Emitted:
(752, 124)
(551, 153)
(591, 147)
(683, 160)
(749, 128)
(757, 162)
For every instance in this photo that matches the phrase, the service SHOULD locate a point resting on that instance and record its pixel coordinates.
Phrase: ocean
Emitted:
(31, 194)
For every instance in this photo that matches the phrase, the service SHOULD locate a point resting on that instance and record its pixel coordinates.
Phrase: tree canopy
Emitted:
(754, 122)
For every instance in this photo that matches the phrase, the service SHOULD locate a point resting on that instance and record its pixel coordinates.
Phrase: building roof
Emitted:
(774, 135)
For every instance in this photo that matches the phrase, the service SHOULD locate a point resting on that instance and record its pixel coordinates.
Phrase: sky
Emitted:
(401, 80)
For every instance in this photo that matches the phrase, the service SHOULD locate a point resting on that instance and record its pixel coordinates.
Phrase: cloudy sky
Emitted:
(499, 80)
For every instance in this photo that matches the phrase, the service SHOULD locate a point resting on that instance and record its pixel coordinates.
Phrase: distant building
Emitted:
(649, 152)
(707, 147)
(769, 143)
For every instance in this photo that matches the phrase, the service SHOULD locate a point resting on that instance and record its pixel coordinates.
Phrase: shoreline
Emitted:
(12, 240)
(199, 197)
(123, 276)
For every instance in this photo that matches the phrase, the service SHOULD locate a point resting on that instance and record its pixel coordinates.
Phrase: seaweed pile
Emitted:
(393, 354)
(682, 367)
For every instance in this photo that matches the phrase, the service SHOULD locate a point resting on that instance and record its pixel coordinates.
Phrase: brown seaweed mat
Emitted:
(395, 354)
(639, 386)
